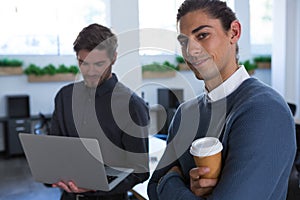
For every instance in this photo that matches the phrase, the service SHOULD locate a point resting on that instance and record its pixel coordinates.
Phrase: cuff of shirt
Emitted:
(167, 184)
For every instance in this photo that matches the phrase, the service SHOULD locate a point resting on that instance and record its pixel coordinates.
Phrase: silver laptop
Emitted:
(57, 158)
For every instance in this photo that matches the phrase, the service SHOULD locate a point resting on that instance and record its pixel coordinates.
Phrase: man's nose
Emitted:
(91, 69)
(193, 48)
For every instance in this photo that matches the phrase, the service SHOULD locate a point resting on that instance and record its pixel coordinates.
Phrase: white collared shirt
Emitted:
(228, 86)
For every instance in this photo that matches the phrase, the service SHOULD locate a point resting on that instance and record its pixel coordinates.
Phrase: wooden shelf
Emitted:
(154, 74)
(6, 71)
(183, 67)
(52, 78)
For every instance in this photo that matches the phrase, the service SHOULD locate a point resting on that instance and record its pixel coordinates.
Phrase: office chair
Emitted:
(294, 180)
(293, 108)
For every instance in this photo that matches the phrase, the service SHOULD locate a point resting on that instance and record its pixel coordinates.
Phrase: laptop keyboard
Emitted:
(112, 173)
(110, 178)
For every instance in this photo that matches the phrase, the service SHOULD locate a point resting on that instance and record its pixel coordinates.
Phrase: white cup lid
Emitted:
(206, 146)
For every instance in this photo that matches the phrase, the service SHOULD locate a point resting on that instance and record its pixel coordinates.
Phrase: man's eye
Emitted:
(83, 63)
(202, 36)
(99, 64)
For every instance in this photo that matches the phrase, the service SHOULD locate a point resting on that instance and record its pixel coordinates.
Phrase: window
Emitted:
(45, 27)
(261, 26)
(159, 15)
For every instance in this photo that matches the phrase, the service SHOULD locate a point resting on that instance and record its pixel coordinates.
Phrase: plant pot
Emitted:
(183, 66)
(251, 72)
(263, 65)
(157, 74)
(11, 70)
(52, 78)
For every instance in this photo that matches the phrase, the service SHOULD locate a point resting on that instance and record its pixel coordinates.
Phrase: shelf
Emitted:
(52, 78)
(6, 71)
(163, 74)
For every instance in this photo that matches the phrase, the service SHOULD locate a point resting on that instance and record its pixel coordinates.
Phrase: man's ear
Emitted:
(235, 31)
(114, 58)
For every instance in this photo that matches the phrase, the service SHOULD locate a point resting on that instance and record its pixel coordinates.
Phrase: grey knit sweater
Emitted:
(257, 131)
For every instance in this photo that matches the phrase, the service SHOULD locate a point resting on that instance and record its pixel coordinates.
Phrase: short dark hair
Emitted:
(214, 8)
(96, 36)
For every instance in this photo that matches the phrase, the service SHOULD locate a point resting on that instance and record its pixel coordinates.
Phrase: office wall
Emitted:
(286, 51)
(41, 94)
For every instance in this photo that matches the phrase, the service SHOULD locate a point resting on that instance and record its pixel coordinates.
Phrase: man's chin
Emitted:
(91, 84)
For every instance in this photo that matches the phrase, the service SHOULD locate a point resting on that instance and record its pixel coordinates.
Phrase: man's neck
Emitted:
(219, 79)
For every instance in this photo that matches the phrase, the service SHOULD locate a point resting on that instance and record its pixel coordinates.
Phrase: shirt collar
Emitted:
(228, 86)
(107, 86)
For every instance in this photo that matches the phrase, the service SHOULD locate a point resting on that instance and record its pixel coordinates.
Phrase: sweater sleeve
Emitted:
(260, 153)
(55, 124)
(161, 183)
(169, 185)
(136, 145)
(171, 180)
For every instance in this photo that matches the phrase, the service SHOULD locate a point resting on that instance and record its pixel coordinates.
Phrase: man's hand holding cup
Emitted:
(208, 159)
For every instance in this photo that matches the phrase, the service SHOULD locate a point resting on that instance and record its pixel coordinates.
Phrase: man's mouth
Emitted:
(199, 62)
(93, 78)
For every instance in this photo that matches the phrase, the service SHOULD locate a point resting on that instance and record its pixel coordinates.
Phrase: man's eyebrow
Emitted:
(99, 62)
(199, 28)
(182, 36)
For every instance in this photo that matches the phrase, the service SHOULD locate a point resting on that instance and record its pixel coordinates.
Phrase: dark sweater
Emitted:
(258, 137)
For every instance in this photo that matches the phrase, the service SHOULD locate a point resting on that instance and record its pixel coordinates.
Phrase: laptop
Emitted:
(58, 158)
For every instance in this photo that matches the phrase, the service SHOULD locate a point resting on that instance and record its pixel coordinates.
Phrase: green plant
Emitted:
(158, 67)
(73, 69)
(263, 58)
(169, 65)
(180, 60)
(10, 63)
(50, 69)
(248, 65)
(33, 69)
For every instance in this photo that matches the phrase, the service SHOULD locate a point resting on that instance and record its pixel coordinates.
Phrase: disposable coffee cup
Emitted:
(207, 152)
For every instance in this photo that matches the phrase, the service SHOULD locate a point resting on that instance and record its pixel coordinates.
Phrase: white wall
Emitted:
(242, 10)
(124, 18)
(41, 94)
(286, 51)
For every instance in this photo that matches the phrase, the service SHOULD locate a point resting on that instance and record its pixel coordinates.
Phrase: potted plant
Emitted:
(263, 61)
(50, 73)
(249, 66)
(158, 70)
(181, 63)
(11, 67)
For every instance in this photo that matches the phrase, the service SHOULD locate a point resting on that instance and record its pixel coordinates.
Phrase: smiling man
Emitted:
(103, 108)
(252, 121)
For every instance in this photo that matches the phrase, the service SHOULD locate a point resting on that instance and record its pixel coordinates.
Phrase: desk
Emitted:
(156, 150)
(11, 127)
